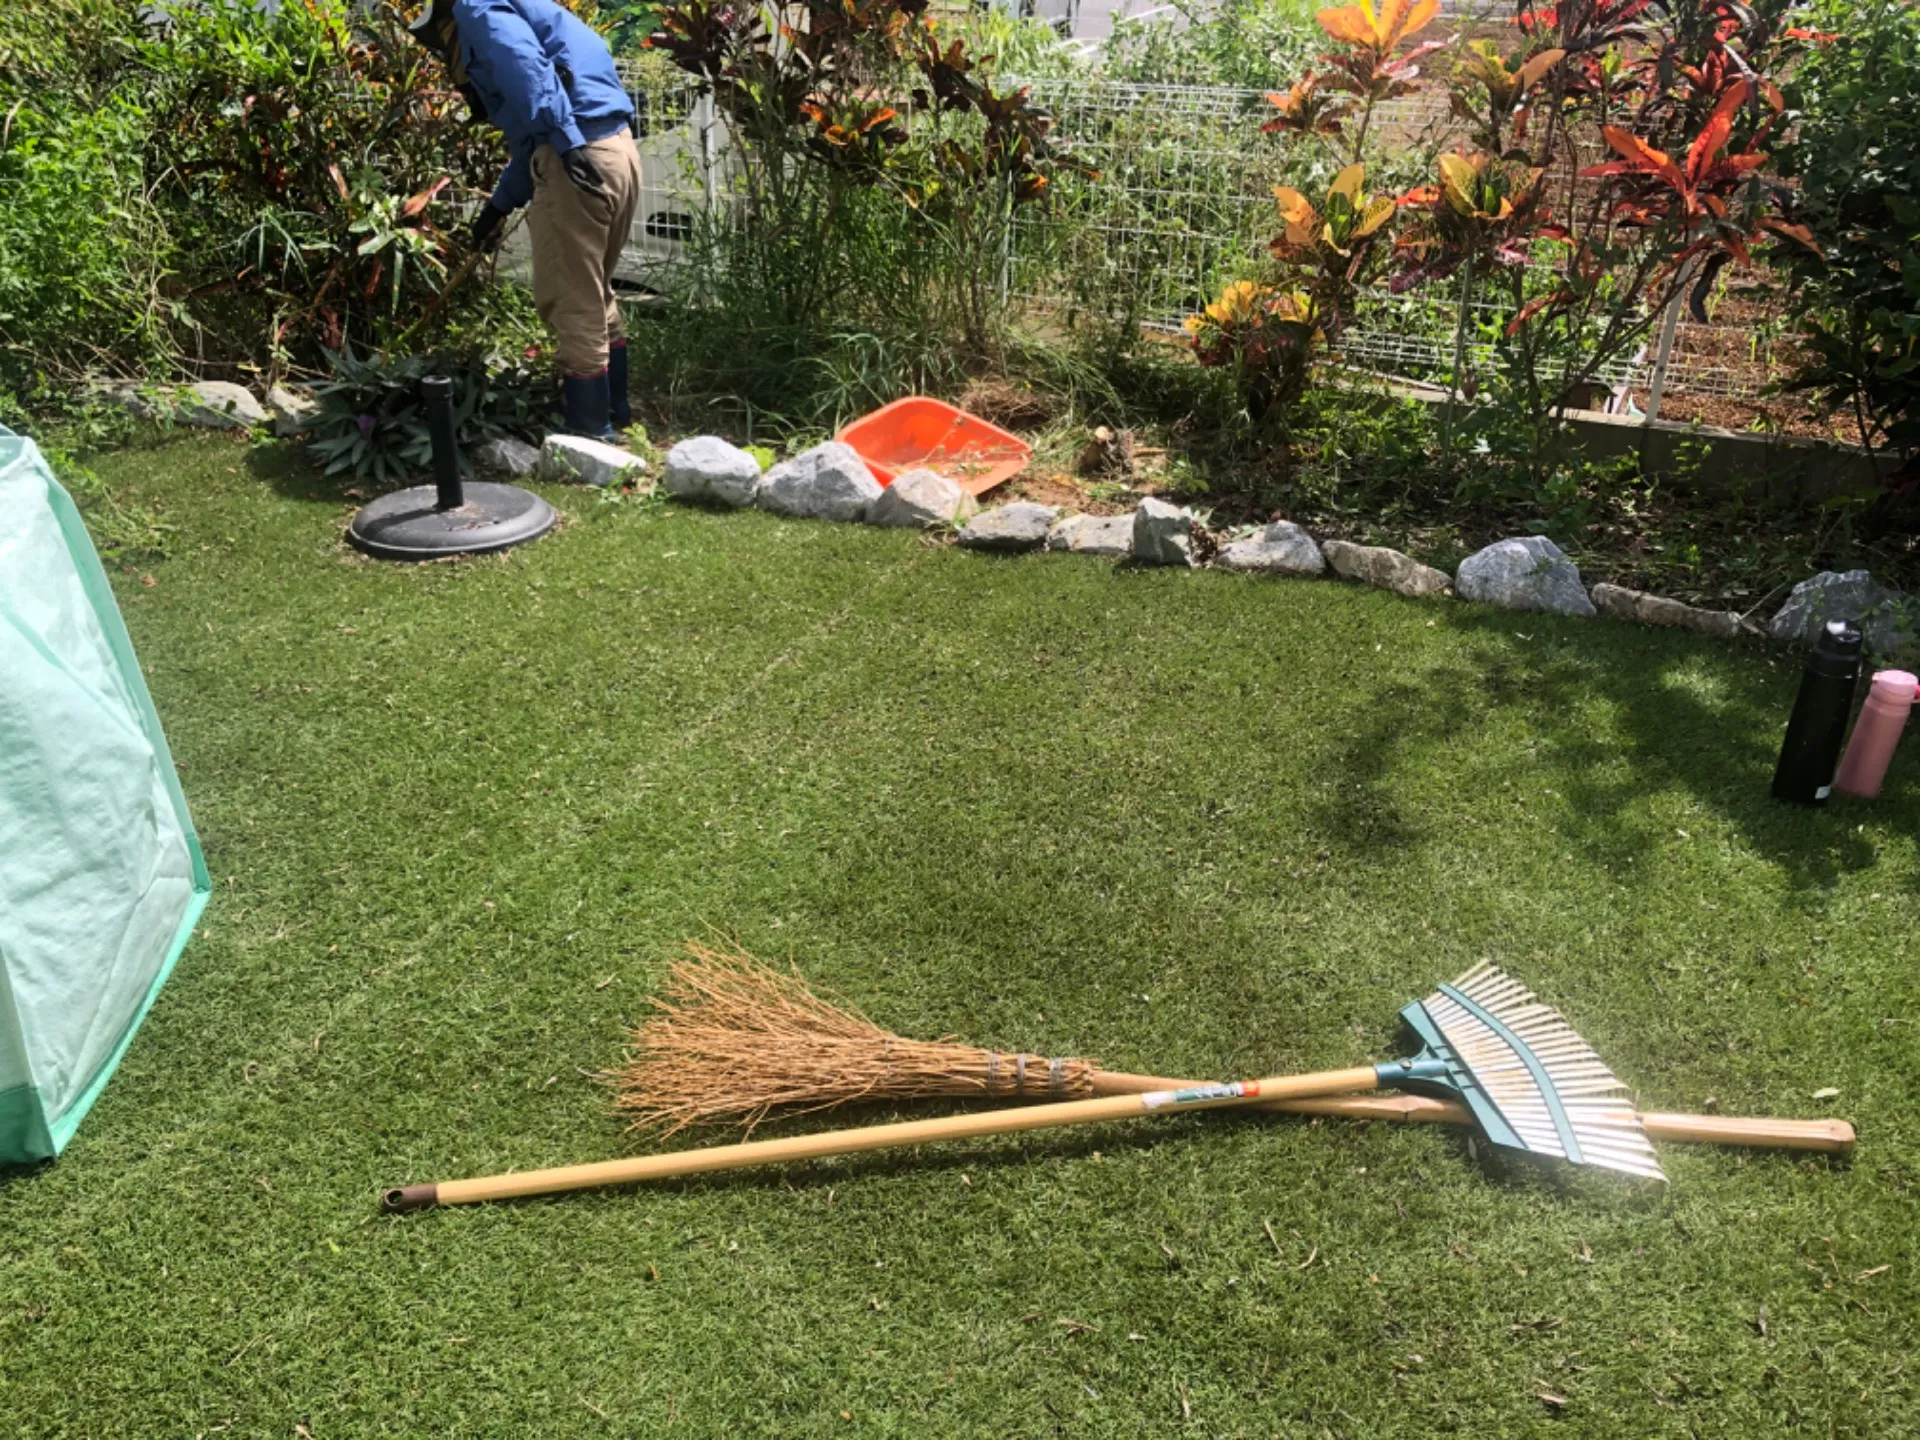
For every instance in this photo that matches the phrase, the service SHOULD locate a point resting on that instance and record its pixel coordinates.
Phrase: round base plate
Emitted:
(406, 526)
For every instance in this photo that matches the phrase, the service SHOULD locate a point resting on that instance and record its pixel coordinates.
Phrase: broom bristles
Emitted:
(732, 1039)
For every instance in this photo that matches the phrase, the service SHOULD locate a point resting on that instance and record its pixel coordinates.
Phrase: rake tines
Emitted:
(1532, 1082)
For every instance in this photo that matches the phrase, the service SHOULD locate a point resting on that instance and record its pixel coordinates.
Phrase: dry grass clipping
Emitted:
(732, 1039)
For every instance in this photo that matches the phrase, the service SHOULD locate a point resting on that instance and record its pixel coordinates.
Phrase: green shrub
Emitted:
(313, 168)
(245, 185)
(373, 420)
(626, 23)
(1247, 44)
(70, 53)
(1854, 158)
(862, 249)
(82, 251)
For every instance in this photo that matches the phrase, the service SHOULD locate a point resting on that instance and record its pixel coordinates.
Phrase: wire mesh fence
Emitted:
(1182, 204)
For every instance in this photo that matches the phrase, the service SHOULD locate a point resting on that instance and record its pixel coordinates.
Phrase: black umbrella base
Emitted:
(406, 525)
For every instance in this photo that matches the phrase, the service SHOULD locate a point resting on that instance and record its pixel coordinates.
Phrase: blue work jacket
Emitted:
(546, 79)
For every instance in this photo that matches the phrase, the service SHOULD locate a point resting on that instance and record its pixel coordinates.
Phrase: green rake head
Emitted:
(1532, 1083)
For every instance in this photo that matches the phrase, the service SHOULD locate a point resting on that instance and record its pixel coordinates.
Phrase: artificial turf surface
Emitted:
(459, 817)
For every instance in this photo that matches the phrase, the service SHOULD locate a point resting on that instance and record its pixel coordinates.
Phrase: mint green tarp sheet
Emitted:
(101, 877)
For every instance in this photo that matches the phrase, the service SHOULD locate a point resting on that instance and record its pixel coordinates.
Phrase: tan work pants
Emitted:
(577, 238)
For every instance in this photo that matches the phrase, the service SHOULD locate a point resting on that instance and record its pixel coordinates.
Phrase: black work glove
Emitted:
(484, 233)
(582, 172)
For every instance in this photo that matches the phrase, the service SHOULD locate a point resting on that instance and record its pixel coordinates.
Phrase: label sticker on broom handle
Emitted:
(1196, 1094)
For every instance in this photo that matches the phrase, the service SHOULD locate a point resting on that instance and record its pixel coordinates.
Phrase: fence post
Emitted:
(1669, 323)
(1459, 359)
(705, 112)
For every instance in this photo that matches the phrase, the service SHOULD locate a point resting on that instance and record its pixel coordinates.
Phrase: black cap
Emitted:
(1836, 649)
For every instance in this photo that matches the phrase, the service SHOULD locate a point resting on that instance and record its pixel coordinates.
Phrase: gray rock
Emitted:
(1020, 526)
(136, 399)
(506, 458)
(1162, 533)
(828, 482)
(708, 468)
(1645, 609)
(921, 498)
(1388, 569)
(1527, 573)
(210, 404)
(1283, 548)
(293, 409)
(221, 405)
(1882, 613)
(1110, 536)
(575, 460)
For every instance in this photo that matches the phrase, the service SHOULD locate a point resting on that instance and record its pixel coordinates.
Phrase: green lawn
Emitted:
(458, 817)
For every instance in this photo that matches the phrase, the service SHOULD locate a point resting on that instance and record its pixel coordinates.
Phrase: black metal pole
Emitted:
(438, 391)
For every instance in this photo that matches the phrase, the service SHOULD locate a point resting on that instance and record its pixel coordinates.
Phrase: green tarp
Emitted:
(101, 877)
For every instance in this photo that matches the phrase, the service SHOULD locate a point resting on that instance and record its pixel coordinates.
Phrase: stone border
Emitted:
(217, 405)
(1524, 573)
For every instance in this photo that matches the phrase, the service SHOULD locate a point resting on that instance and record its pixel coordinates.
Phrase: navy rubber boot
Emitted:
(619, 404)
(583, 406)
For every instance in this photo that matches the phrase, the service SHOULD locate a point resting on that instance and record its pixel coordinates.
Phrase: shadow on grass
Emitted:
(287, 469)
(11, 1175)
(1617, 714)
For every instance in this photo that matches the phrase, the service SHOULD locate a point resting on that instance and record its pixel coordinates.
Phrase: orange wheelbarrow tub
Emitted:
(921, 433)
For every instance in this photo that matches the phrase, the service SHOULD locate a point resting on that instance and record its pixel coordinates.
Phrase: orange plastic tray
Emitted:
(920, 433)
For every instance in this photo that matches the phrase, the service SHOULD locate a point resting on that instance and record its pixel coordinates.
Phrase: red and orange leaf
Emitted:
(1643, 155)
(1527, 311)
(1800, 234)
(1417, 18)
(1530, 73)
(1714, 133)
(420, 202)
(1643, 158)
(1350, 25)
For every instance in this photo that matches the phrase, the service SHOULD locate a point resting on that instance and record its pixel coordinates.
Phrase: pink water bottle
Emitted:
(1875, 733)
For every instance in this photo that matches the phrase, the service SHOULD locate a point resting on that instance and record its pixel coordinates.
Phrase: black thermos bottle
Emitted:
(1811, 752)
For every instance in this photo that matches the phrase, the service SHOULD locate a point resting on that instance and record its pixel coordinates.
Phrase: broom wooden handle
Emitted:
(1835, 1137)
(1170, 1100)
(1832, 1137)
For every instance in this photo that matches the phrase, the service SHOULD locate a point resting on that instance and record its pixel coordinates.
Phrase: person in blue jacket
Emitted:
(548, 81)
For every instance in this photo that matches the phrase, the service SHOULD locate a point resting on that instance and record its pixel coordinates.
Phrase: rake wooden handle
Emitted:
(1832, 1137)
(1171, 1100)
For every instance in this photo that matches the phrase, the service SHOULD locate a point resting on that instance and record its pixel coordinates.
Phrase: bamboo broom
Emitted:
(734, 1040)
